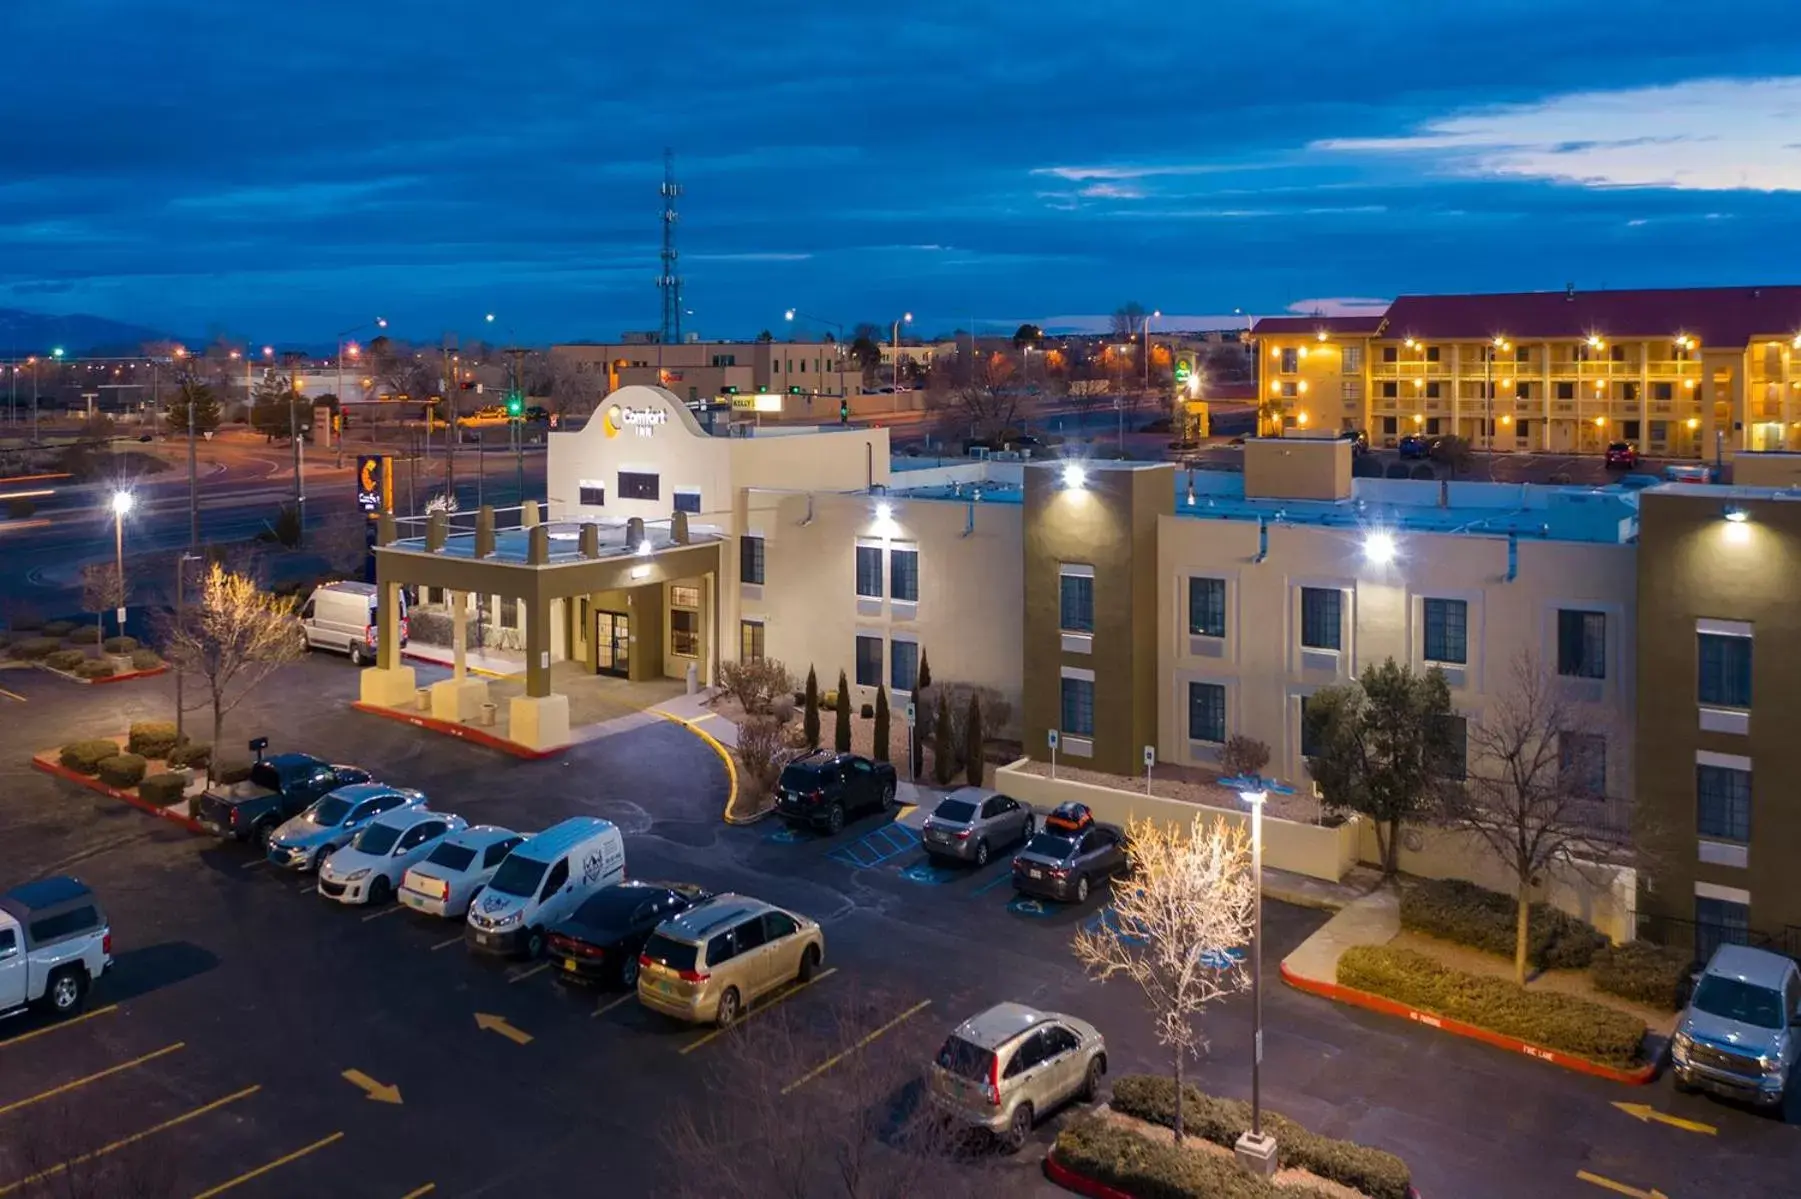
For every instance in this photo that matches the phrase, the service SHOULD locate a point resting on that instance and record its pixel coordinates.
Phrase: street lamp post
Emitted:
(1256, 1150)
(907, 318)
(790, 314)
(121, 505)
(1147, 347)
(380, 322)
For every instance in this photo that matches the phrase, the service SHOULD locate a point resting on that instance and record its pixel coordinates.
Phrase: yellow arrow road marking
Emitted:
(499, 1024)
(604, 1008)
(279, 1162)
(134, 1138)
(375, 1090)
(1644, 1113)
(829, 1062)
(792, 991)
(1619, 1188)
(82, 1082)
(50, 1028)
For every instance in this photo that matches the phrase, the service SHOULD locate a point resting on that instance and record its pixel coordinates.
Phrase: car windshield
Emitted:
(677, 955)
(966, 1060)
(264, 775)
(452, 856)
(329, 811)
(1731, 999)
(518, 876)
(959, 810)
(1049, 845)
(376, 839)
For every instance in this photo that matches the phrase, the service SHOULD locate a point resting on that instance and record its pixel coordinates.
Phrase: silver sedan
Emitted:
(971, 823)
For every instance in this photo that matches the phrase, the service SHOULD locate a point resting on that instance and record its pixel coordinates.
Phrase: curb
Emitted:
(460, 731)
(410, 656)
(725, 755)
(1081, 1184)
(60, 771)
(111, 678)
(1390, 1007)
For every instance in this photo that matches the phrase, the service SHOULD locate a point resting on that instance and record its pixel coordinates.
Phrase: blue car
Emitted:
(1414, 446)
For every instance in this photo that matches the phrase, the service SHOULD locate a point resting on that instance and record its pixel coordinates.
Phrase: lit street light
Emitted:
(1254, 1145)
(789, 316)
(121, 505)
(907, 318)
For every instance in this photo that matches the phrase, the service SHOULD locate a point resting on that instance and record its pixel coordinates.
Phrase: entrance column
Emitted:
(388, 683)
(538, 719)
(459, 698)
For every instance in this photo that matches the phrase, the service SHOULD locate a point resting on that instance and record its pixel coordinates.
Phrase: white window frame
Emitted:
(1074, 642)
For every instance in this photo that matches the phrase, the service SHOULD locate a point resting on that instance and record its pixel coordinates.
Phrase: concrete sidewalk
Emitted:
(493, 663)
(1371, 919)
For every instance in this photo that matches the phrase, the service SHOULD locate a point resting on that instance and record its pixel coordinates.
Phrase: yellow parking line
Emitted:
(829, 1062)
(82, 1082)
(604, 1008)
(446, 944)
(520, 977)
(38, 1032)
(427, 1189)
(383, 912)
(274, 1165)
(133, 1139)
(691, 1046)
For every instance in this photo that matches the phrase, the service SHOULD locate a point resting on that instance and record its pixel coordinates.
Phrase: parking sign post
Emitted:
(1051, 737)
(912, 774)
(1150, 760)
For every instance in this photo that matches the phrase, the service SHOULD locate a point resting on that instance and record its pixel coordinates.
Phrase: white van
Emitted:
(341, 617)
(542, 881)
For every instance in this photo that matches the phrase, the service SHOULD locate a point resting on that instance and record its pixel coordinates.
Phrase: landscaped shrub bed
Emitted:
(31, 649)
(1101, 1149)
(152, 738)
(122, 770)
(1655, 975)
(1454, 910)
(87, 634)
(193, 754)
(119, 645)
(1373, 1172)
(163, 789)
(1556, 1021)
(59, 629)
(145, 659)
(65, 659)
(95, 668)
(86, 756)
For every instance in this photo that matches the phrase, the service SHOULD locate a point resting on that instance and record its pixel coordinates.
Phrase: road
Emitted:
(266, 986)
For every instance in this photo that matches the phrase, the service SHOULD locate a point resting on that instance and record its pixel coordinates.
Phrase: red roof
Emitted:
(1315, 324)
(1718, 316)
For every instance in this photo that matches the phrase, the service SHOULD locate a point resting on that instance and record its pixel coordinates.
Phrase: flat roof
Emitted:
(514, 545)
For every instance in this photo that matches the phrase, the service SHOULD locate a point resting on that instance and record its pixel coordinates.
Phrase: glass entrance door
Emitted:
(612, 643)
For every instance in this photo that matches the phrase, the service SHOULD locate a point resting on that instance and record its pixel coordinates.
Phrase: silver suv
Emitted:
(1003, 1069)
(972, 822)
(1738, 1037)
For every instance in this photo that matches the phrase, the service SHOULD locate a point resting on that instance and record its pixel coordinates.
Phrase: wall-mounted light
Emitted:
(884, 511)
(1074, 475)
(1693, 422)
(1321, 335)
(1191, 491)
(1737, 515)
(644, 547)
(1379, 548)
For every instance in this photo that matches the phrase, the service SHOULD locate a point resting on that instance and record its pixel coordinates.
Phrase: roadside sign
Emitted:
(374, 483)
(1150, 756)
(1051, 738)
(909, 712)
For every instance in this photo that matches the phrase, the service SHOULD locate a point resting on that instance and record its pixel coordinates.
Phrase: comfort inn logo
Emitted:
(645, 420)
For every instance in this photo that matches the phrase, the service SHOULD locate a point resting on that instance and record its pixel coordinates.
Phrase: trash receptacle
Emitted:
(424, 697)
(693, 678)
(489, 714)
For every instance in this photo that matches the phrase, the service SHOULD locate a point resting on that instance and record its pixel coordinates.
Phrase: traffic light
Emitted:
(515, 404)
(844, 412)
(794, 390)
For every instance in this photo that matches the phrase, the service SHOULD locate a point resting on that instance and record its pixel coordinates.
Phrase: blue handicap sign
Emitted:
(789, 836)
(1023, 906)
(1221, 959)
(927, 874)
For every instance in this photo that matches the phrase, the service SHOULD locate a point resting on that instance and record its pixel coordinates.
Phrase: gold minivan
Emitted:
(709, 964)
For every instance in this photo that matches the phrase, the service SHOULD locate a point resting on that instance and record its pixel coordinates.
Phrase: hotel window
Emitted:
(509, 613)
(1660, 430)
(750, 559)
(1388, 425)
(1522, 353)
(750, 641)
(1290, 389)
(687, 500)
(1628, 392)
(1291, 361)
(1629, 430)
(1581, 644)
(1431, 391)
(1457, 747)
(1075, 603)
(869, 661)
(1078, 707)
(1582, 763)
(684, 633)
(1391, 354)
(592, 494)
(1447, 630)
(1723, 802)
(635, 485)
(1663, 391)
(1617, 353)
(1719, 922)
(684, 597)
(903, 669)
(1522, 391)
(1353, 358)
(1351, 390)
(1566, 391)
(1390, 392)
(869, 571)
(903, 575)
(1725, 670)
(1206, 712)
(1320, 610)
(1431, 353)
(1207, 607)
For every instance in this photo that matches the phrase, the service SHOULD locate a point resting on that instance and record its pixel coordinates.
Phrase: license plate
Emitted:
(666, 988)
(1036, 873)
(569, 965)
(942, 837)
(413, 901)
(213, 827)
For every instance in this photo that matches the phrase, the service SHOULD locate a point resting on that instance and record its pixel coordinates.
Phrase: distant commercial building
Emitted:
(1682, 372)
(701, 370)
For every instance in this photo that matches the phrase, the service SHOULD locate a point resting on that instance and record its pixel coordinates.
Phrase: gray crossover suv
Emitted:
(1003, 1069)
(971, 823)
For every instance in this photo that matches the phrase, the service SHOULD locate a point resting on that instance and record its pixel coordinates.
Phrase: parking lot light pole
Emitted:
(121, 505)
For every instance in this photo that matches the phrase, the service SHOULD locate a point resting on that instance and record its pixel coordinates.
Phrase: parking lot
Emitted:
(256, 1039)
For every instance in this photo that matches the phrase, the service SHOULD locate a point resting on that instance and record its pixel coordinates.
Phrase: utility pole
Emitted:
(294, 436)
(670, 283)
(451, 432)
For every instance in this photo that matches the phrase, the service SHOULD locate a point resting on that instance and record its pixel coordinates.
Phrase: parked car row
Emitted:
(1062, 859)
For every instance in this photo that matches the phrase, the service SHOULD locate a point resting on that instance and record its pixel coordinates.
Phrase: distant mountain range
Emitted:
(79, 335)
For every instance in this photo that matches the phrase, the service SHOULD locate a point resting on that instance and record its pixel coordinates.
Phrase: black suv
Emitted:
(822, 788)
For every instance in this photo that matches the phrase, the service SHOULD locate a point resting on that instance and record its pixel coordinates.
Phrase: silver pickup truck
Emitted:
(55, 944)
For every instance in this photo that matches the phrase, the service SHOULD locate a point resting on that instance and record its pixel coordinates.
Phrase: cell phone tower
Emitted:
(670, 283)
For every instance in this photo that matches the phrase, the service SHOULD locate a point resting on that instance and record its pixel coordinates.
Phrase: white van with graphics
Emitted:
(542, 881)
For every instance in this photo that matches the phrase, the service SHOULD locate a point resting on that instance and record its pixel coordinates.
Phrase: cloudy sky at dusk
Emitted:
(290, 170)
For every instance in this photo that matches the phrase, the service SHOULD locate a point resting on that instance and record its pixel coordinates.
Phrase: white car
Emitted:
(454, 873)
(370, 867)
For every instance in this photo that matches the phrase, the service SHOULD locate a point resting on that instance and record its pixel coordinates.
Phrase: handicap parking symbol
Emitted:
(1109, 919)
(927, 874)
(1221, 959)
(789, 836)
(1020, 905)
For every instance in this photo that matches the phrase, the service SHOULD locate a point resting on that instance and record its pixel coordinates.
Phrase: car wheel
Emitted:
(1019, 1128)
(380, 892)
(887, 797)
(356, 654)
(809, 964)
(1081, 888)
(67, 991)
(834, 818)
(628, 972)
(982, 852)
(534, 943)
(1025, 832)
(262, 833)
(728, 1008)
(1091, 1082)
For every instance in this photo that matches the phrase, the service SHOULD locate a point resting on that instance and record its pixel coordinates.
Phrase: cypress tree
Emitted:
(841, 726)
(881, 723)
(944, 750)
(810, 713)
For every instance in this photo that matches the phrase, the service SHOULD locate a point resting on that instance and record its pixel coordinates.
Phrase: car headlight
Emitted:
(1682, 1043)
(507, 921)
(356, 875)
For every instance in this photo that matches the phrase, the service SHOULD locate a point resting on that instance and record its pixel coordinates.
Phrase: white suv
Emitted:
(54, 945)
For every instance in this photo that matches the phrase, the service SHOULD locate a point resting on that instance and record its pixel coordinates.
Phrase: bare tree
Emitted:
(1127, 319)
(231, 636)
(102, 591)
(1532, 797)
(974, 394)
(782, 1124)
(1242, 755)
(1173, 928)
(55, 1155)
(755, 683)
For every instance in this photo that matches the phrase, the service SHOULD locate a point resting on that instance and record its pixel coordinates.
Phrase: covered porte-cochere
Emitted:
(631, 599)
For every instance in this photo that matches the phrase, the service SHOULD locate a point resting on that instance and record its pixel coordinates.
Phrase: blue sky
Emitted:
(286, 171)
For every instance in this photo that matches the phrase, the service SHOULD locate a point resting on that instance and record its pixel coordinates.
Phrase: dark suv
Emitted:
(822, 788)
